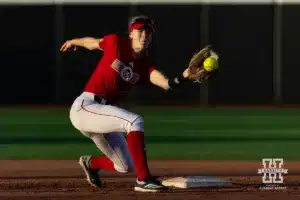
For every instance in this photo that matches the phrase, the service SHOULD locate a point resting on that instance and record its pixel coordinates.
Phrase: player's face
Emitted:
(140, 39)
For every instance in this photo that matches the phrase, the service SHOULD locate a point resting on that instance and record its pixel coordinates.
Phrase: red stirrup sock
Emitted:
(136, 146)
(102, 162)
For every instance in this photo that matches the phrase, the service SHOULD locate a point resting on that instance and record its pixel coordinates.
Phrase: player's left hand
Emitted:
(203, 64)
(186, 73)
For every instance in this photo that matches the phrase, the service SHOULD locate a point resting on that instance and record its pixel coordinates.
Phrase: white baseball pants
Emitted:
(105, 125)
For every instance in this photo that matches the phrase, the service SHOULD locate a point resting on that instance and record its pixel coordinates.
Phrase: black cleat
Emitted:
(151, 185)
(92, 176)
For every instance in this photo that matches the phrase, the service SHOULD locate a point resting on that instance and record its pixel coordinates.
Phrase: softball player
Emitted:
(96, 114)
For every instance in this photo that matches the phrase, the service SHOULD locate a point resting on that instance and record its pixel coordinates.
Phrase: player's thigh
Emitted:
(114, 146)
(97, 118)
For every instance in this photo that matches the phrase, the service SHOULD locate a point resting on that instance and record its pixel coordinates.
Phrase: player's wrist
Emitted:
(177, 81)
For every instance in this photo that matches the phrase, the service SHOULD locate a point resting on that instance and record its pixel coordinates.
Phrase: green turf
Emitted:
(171, 133)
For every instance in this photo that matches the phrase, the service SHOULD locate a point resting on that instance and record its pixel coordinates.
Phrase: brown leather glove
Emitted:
(196, 71)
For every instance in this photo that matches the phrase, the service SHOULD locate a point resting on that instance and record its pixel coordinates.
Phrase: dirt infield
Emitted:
(61, 179)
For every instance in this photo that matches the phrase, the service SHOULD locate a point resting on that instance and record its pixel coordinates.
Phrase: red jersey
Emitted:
(118, 70)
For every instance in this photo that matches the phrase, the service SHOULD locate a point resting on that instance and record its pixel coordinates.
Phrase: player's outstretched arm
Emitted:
(158, 79)
(85, 42)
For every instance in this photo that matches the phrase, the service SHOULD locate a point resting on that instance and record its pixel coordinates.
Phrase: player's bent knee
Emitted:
(124, 168)
(137, 125)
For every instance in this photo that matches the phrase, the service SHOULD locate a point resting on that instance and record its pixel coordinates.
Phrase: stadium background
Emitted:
(258, 47)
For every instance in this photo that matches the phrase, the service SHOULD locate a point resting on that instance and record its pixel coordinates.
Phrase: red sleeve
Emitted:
(102, 44)
(106, 40)
(150, 67)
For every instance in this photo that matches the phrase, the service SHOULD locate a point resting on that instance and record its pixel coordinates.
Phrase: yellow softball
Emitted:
(210, 64)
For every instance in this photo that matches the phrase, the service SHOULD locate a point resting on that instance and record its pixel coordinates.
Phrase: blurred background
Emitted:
(258, 47)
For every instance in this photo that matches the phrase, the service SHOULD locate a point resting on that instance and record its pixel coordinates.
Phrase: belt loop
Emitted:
(100, 100)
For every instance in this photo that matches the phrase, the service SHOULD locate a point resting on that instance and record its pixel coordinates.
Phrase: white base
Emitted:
(195, 181)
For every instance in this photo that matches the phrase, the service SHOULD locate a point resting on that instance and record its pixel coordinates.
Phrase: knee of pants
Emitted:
(125, 168)
(136, 125)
